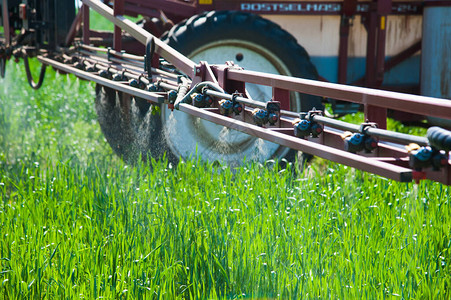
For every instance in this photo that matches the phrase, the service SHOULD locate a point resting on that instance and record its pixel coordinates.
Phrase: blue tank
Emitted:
(436, 55)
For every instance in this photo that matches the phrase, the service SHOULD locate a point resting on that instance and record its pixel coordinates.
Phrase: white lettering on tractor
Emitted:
(290, 7)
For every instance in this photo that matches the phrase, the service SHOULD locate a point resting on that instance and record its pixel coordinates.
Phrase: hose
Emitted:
(30, 77)
(439, 138)
(184, 97)
(150, 49)
(2, 67)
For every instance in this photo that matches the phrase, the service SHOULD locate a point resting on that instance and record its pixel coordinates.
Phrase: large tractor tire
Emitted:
(253, 43)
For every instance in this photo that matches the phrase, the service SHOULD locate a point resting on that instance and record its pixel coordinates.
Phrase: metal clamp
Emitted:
(237, 107)
(273, 108)
(360, 141)
(306, 125)
(424, 157)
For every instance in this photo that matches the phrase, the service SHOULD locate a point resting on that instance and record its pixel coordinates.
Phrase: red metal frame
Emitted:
(118, 11)
(86, 33)
(6, 26)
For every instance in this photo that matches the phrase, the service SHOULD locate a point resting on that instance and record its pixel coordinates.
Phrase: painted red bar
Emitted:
(86, 34)
(6, 26)
(283, 96)
(377, 115)
(383, 9)
(343, 51)
(391, 100)
(375, 57)
(74, 28)
(118, 11)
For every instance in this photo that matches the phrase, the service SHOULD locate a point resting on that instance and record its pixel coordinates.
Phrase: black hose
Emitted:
(30, 77)
(150, 50)
(2, 67)
(397, 137)
(439, 138)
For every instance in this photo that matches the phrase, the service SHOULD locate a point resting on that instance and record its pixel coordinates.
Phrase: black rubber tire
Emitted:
(133, 130)
(200, 30)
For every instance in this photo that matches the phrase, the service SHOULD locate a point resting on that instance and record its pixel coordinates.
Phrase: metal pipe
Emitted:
(118, 10)
(92, 48)
(103, 59)
(113, 52)
(167, 86)
(375, 132)
(113, 59)
(137, 76)
(152, 97)
(128, 62)
(336, 123)
(165, 73)
(126, 72)
(119, 66)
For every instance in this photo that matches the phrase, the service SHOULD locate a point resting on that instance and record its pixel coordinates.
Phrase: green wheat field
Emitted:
(78, 222)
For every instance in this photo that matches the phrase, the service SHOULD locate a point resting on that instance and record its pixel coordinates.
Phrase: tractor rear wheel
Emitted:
(253, 43)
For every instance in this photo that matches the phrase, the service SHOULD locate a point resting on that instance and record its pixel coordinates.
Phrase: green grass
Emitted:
(77, 222)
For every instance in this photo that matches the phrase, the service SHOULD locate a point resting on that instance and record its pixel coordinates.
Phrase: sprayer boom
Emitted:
(165, 78)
